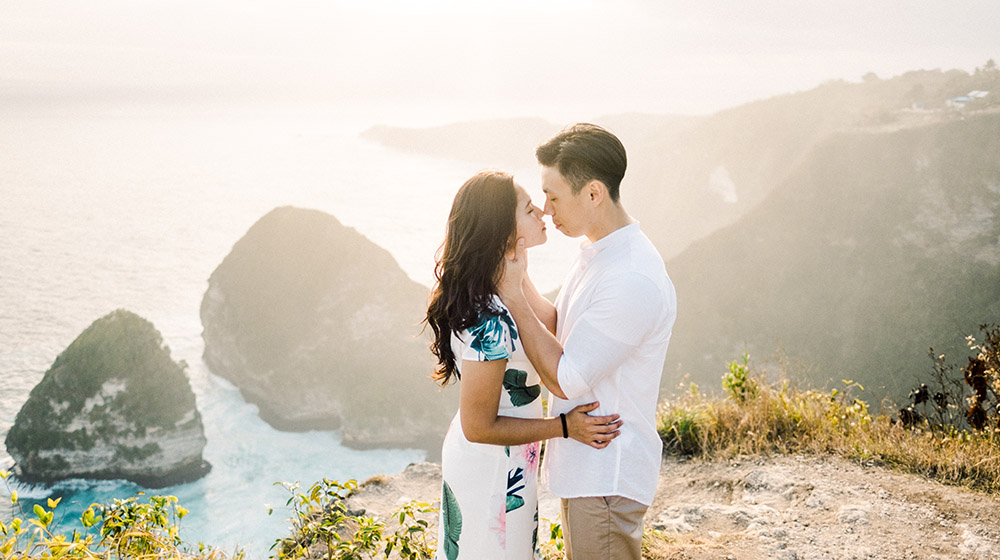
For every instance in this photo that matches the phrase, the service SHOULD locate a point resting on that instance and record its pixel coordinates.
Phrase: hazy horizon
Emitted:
(439, 61)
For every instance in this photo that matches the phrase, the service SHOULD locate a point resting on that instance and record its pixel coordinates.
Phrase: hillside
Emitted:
(691, 182)
(690, 176)
(878, 246)
(509, 144)
(850, 227)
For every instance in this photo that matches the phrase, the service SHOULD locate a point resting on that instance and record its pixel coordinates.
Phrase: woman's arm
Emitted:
(480, 402)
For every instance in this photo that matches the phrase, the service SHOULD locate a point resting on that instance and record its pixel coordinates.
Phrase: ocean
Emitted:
(134, 206)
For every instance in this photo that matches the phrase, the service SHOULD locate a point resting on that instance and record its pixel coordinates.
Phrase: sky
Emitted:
(438, 60)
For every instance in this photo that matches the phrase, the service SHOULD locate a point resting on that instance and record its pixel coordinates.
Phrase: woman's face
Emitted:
(530, 225)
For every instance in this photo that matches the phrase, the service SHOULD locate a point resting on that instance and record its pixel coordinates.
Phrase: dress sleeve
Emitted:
(491, 338)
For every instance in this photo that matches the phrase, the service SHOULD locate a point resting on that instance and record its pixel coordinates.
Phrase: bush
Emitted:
(123, 529)
(323, 527)
(960, 398)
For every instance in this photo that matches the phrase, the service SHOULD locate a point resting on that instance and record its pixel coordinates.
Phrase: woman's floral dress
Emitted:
(489, 501)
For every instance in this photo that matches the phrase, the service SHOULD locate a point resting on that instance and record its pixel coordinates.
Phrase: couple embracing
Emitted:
(599, 351)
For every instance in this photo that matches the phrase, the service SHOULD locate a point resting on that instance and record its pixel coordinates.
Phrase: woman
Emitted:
(489, 459)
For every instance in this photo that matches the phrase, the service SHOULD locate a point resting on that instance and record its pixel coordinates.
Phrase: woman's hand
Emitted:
(595, 431)
(514, 271)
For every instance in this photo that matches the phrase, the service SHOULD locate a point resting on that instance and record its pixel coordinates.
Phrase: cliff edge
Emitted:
(779, 507)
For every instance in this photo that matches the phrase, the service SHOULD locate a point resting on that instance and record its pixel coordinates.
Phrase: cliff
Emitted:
(113, 405)
(319, 327)
(878, 246)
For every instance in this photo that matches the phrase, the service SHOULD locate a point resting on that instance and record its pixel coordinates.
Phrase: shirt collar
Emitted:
(590, 250)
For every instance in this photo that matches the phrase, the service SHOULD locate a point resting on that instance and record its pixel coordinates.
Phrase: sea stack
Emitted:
(114, 405)
(320, 328)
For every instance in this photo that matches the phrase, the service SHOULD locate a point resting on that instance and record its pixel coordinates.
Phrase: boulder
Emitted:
(114, 405)
(320, 328)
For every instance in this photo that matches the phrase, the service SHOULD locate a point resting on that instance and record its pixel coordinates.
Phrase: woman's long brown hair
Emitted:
(481, 227)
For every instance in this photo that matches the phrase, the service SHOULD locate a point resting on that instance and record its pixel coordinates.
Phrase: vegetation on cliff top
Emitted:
(950, 432)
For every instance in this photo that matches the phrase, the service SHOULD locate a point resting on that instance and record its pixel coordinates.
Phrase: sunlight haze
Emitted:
(398, 60)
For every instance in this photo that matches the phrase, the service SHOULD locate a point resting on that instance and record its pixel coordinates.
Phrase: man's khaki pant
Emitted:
(602, 528)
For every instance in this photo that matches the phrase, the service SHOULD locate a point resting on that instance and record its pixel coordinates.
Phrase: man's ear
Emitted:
(595, 191)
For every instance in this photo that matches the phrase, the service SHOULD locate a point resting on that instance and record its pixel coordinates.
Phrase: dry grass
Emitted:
(784, 420)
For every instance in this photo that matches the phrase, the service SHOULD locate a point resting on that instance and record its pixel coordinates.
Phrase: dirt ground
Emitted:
(789, 508)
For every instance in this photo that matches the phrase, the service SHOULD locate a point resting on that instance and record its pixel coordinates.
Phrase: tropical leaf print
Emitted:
(515, 381)
(511, 327)
(534, 534)
(489, 338)
(514, 486)
(452, 519)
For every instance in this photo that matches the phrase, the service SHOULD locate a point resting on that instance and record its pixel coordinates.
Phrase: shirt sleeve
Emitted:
(624, 312)
(491, 338)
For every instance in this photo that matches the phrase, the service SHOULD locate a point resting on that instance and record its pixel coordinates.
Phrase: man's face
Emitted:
(570, 212)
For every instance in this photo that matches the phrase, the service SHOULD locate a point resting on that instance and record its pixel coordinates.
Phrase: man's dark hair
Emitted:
(584, 152)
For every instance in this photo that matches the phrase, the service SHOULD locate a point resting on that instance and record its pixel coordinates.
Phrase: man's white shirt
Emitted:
(615, 314)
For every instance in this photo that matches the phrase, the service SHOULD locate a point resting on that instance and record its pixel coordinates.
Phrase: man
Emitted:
(613, 320)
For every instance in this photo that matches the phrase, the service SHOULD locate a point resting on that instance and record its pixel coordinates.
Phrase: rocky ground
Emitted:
(777, 507)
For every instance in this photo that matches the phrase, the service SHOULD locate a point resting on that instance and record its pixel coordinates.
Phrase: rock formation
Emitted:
(319, 327)
(113, 405)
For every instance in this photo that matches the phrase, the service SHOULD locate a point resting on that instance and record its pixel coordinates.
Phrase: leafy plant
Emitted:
(410, 538)
(553, 548)
(323, 526)
(738, 382)
(681, 425)
(122, 529)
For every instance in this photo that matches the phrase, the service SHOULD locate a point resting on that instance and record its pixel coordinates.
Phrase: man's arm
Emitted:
(540, 344)
(620, 316)
(543, 308)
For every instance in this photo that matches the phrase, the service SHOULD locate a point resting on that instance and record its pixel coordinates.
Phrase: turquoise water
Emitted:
(134, 207)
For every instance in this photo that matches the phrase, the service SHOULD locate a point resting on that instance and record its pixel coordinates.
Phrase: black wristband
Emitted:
(565, 431)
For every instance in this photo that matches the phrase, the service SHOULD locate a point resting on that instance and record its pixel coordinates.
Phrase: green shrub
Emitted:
(322, 526)
(124, 529)
(738, 382)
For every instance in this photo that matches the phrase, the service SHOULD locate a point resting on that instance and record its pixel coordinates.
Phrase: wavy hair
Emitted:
(481, 228)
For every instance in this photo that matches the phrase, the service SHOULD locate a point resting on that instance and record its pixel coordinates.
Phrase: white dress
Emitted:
(489, 503)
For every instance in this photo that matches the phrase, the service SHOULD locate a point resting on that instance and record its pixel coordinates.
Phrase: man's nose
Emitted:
(548, 209)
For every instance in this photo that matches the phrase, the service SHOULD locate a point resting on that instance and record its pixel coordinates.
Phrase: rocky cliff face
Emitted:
(881, 245)
(113, 405)
(320, 327)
